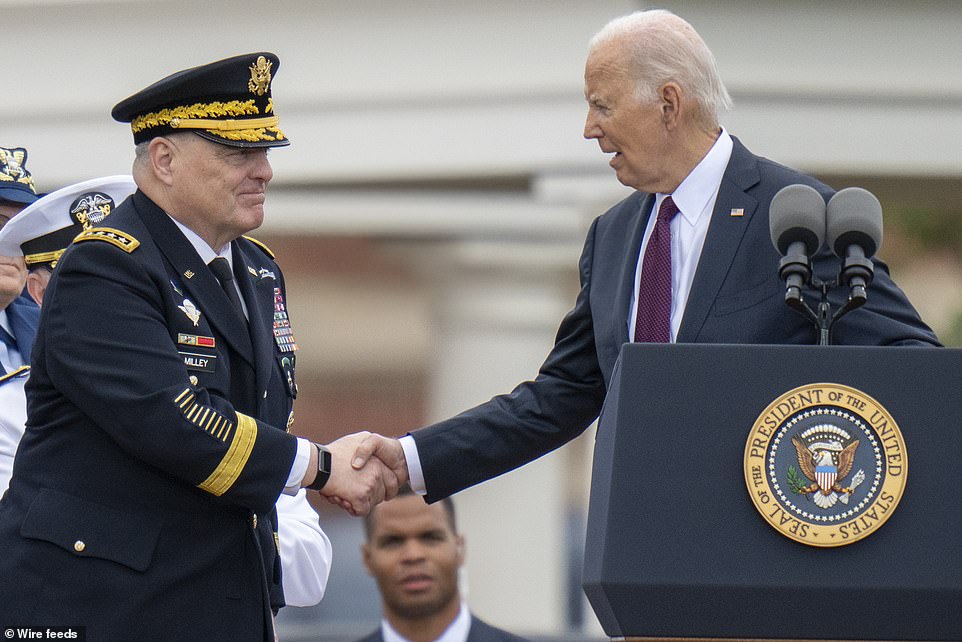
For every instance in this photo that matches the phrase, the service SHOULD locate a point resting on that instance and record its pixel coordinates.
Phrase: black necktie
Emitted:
(221, 269)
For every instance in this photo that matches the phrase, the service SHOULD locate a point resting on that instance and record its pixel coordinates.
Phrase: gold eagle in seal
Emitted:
(825, 464)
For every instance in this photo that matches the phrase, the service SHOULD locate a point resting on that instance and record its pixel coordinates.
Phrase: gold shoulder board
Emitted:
(263, 247)
(19, 372)
(124, 241)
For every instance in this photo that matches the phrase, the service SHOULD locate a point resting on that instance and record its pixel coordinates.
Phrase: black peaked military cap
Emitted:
(228, 102)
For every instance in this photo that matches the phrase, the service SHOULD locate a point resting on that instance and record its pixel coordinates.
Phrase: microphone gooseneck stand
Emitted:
(859, 270)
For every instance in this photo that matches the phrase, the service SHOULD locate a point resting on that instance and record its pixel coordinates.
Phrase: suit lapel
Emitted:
(724, 237)
(258, 293)
(197, 278)
(635, 234)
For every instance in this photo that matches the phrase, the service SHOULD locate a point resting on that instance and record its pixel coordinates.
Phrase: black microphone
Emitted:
(854, 224)
(796, 219)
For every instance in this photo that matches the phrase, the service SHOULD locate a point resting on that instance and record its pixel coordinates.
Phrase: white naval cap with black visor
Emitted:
(44, 229)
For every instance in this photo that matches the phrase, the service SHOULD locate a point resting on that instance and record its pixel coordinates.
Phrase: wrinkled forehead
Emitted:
(607, 77)
(608, 57)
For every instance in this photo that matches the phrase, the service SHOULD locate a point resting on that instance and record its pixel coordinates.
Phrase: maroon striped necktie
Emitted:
(653, 322)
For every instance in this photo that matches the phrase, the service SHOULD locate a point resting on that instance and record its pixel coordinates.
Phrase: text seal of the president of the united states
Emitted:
(825, 464)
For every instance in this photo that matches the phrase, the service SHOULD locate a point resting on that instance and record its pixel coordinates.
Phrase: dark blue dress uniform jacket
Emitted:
(142, 499)
(736, 297)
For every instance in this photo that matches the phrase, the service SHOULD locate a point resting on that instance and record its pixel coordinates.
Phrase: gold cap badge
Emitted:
(260, 76)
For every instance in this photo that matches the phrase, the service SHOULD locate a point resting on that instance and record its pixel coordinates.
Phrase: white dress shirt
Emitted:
(695, 199)
(13, 404)
(13, 419)
(10, 357)
(457, 631)
(305, 551)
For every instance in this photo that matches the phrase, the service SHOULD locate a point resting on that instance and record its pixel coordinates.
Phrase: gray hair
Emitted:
(662, 47)
(140, 153)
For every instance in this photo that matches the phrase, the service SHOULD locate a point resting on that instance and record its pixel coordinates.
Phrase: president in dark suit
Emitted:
(686, 258)
(160, 400)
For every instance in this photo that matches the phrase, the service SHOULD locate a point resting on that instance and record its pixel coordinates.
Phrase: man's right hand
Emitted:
(366, 469)
(386, 450)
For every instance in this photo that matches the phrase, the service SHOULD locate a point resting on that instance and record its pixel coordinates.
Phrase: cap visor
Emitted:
(242, 138)
(17, 195)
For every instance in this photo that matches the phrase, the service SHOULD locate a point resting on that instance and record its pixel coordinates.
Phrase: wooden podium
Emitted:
(676, 548)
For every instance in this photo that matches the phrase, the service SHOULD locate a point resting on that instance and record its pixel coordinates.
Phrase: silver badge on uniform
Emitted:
(190, 310)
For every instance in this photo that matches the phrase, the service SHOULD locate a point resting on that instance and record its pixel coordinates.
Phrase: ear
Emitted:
(670, 96)
(161, 152)
(459, 543)
(366, 557)
(36, 286)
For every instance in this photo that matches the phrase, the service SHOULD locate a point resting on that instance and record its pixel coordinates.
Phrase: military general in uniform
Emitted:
(160, 400)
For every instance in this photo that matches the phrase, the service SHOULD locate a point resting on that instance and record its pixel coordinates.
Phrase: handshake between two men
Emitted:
(364, 470)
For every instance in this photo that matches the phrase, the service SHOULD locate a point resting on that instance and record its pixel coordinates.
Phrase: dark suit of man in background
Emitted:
(142, 500)
(414, 552)
(653, 95)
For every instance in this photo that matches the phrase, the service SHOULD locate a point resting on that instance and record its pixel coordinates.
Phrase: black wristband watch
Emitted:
(323, 468)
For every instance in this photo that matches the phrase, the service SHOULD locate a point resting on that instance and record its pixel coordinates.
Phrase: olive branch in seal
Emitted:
(795, 483)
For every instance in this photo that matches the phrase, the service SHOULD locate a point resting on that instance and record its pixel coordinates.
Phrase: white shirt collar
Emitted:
(457, 631)
(695, 198)
(5, 322)
(702, 183)
(10, 358)
(200, 245)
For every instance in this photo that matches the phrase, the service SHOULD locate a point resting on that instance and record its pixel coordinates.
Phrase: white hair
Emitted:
(661, 47)
(140, 151)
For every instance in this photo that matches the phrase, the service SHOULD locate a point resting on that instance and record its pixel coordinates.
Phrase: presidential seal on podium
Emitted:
(825, 464)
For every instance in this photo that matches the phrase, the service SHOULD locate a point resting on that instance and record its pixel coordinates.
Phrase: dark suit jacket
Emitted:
(736, 297)
(479, 632)
(142, 498)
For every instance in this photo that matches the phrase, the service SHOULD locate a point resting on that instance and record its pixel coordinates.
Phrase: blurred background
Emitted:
(430, 212)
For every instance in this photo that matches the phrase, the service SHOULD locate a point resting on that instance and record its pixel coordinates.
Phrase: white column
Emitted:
(497, 308)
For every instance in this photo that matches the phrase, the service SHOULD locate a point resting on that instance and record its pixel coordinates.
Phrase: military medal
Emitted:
(195, 340)
(283, 334)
